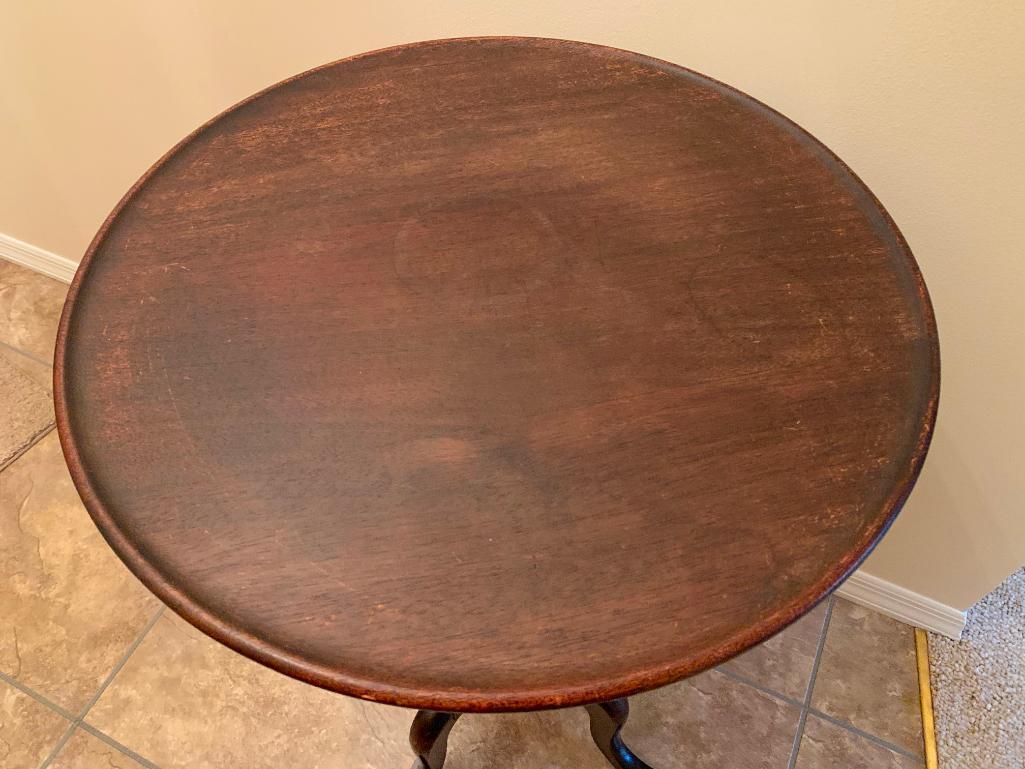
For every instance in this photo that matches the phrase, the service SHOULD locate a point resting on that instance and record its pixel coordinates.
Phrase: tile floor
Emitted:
(95, 673)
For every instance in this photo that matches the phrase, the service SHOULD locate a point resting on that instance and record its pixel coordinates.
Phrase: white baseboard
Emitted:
(902, 604)
(35, 258)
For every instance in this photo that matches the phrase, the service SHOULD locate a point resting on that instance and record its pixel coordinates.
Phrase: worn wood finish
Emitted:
(496, 374)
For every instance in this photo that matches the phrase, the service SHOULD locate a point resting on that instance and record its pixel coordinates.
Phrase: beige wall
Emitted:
(924, 99)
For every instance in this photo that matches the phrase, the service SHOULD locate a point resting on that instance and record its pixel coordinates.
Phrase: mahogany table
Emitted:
(496, 374)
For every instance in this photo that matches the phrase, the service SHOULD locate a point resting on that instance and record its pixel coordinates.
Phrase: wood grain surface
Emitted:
(496, 374)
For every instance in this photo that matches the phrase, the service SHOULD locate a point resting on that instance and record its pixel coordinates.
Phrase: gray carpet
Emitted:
(26, 412)
(979, 684)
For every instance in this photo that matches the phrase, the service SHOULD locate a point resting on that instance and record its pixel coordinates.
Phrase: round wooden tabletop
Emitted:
(496, 374)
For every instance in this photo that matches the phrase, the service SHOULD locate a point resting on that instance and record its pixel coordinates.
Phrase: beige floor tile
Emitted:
(784, 662)
(84, 751)
(30, 307)
(183, 700)
(28, 730)
(868, 675)
(554, 739)
(26, 410)
(710, 722)
(38, 372)
(826, 746)
(70, 609)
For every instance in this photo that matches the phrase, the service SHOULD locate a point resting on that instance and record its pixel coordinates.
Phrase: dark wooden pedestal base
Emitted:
(607, 718)
(429, 735)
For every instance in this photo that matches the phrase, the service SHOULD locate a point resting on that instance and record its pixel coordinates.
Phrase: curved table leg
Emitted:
(607, 718)
(428, 737)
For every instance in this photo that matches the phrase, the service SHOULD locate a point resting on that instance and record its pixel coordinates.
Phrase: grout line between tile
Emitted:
(77, 722)
(740, 678)
(121, 663)
(832, 719)
(30, 356)
(35, 440)
(806, 707)
(862, 733)
(59, 746)
(818, 652)
(799, 732)
(37, 696)
(117, 746)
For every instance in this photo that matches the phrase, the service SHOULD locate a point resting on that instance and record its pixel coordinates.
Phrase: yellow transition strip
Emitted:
(925, 697)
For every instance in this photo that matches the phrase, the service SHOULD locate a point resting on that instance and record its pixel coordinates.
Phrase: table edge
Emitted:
(343, 682)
